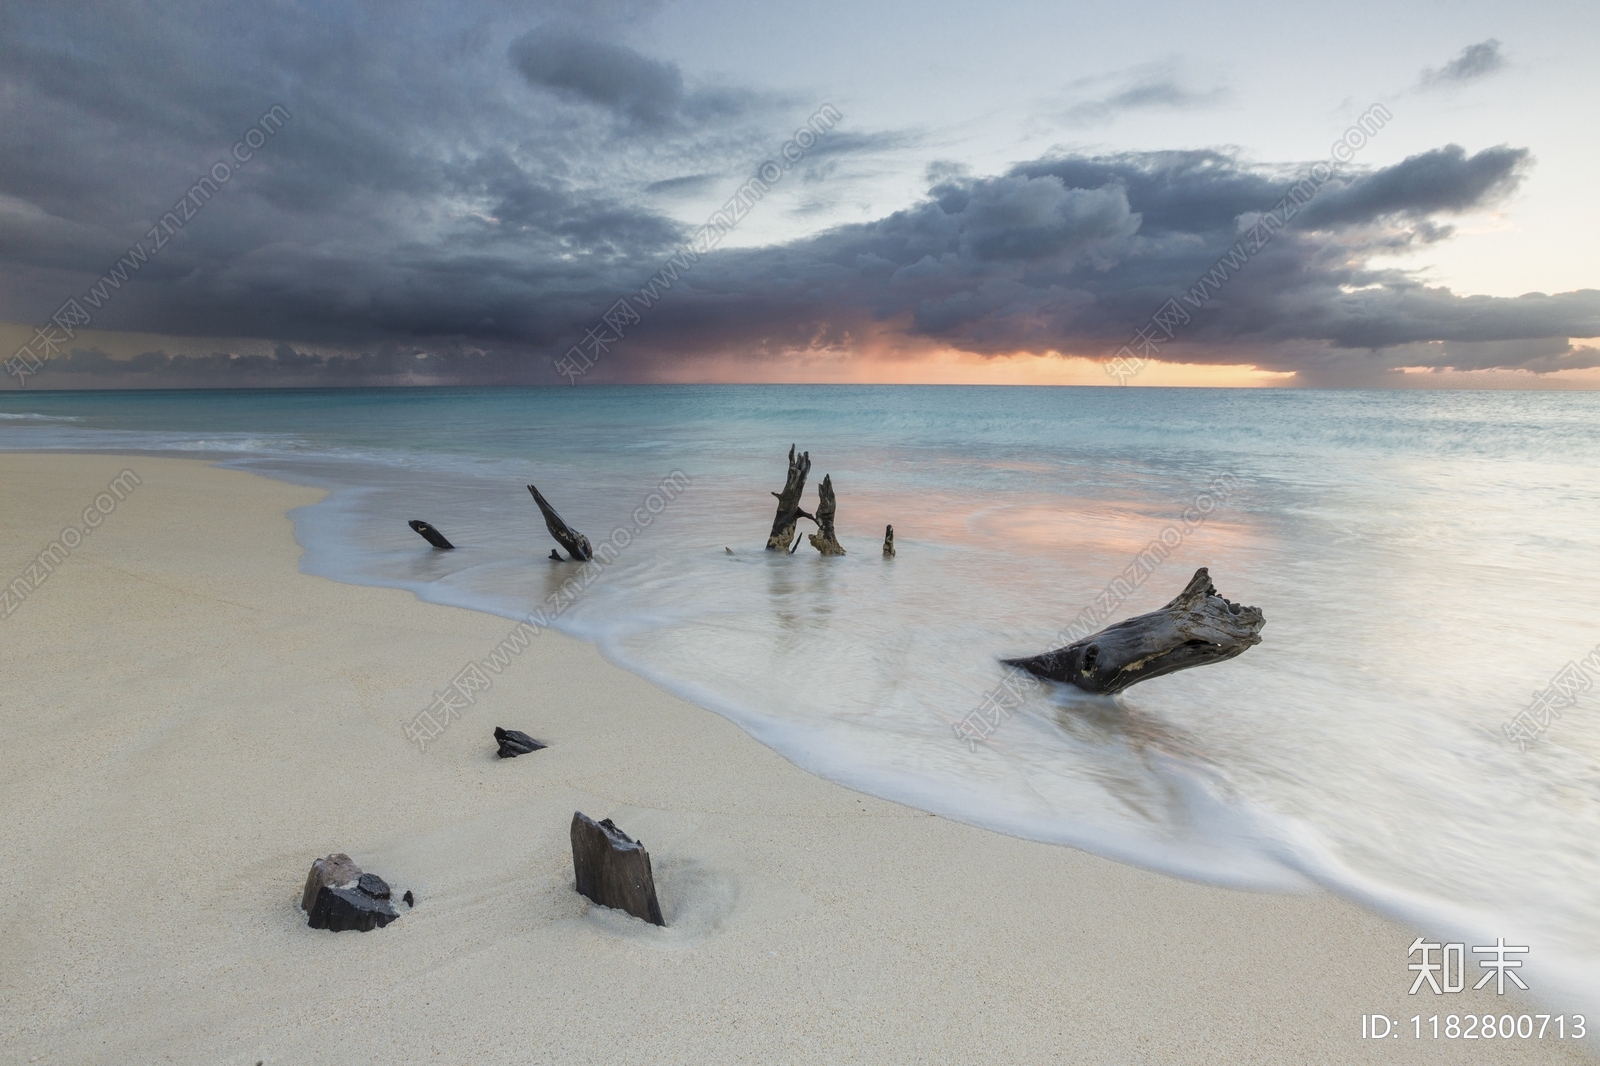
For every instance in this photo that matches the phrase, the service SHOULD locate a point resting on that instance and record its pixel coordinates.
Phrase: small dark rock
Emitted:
(373, 885)
(410, 900)
(338, 909)
(337, 870)
(555, 556)
(514, 742)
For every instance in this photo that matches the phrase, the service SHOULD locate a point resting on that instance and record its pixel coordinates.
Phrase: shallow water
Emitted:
(1425, 561)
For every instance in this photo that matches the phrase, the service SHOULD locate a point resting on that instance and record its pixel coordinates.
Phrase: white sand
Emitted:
(188, 721)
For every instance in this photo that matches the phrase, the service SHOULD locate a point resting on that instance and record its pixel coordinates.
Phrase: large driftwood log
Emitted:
(789, 510)
(575, 543)
(613, 869)
(824, 539)
(1197, 628)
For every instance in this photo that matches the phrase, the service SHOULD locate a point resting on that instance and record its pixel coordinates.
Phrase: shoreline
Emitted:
(192, 720)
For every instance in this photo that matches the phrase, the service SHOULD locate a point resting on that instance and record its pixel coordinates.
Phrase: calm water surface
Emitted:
(1426, 561)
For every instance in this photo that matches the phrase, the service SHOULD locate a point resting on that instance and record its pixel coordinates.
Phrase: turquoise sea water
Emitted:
(1426, 561)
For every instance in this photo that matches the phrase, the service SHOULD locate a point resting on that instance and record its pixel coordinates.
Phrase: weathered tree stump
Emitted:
(431, 535)
(514, 742)
(613, 869)
(1197, 628)
(575, 543)
(789, 510)
(337, 870)
(824, 539)
(888, 542)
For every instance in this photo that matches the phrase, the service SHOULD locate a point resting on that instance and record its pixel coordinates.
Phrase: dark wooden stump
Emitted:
(1197, 628)
(824, 539)
(789, 510)
(613, 869)
(430, 534)
(575, 543)
(888, 542)
(514, 742)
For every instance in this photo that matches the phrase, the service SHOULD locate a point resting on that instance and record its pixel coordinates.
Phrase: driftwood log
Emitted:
(613, 869)
(1197, 628)
(431, 535)
(575, 543)
(824, 539)
(888, 542)
(789, 510)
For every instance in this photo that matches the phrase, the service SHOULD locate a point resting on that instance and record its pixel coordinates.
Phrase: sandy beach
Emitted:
(189, 721)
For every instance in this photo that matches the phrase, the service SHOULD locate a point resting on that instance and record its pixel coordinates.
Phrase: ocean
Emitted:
(1426, 562)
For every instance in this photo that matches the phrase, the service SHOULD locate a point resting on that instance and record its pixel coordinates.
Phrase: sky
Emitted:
(705, 191)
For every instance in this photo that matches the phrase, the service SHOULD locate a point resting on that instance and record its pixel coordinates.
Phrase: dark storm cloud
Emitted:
(1444, 180)
(1475, 61)
(1074, 254)
(460, 194)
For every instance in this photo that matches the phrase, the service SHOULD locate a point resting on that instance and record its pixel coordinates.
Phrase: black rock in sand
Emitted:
(514, 742)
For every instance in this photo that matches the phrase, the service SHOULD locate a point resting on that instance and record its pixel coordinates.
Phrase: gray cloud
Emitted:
(1475, 61)
(686, 185)
(649, 92)
(1444, 180)
(467, 220)
(1101, 99)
